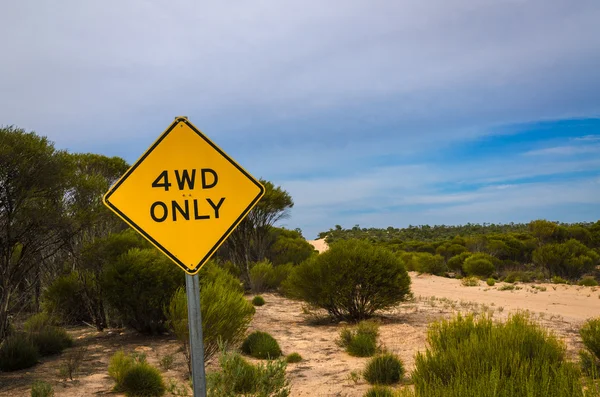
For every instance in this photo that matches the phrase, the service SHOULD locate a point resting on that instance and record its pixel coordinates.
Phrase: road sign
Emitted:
(185, 195)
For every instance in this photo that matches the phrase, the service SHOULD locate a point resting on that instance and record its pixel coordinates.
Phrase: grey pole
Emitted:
(196, 343)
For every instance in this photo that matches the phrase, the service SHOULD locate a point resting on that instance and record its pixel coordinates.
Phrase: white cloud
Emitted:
(565, 150)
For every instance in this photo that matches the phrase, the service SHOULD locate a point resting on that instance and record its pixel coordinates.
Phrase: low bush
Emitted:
(293, 358)
(470, 281)
(385, 369)
(588, 281)
(258, 300)
(262, 276)
(18, 352)
(559, 280)
(570, 259)
(71, 364)
(479, 265)
(590, 336)
(143, 380)
(38, 322)
(352, 280)
(138, 285)
(63, 300)
(41, 389)
(166, 362)
(51, 340)
(280, 274)
(261, 345)
(226, 314)
(468, 356)
(361, 341)
(456, 262)
(379, 391)
(523, 276)
(118, 366)
(490, 282)
(428, 263)
(238, 377)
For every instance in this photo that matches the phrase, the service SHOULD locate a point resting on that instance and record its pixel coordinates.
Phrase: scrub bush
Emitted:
(138, 285)
(41, 389)
(63, 300)
(17, 352)
(143, 380)
(261, 345)
(226, 314)
(385, 369)
(361, 341)
(293, 358)
(352, 280)
(258, 300)
(479, 265)
(474, 357)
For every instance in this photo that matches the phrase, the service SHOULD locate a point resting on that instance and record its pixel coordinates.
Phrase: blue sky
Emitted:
(378, 113)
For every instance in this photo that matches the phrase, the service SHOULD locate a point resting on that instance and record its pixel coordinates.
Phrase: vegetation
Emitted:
(50, 340)
(470, 356)
(360, 341)
(293, 358)
(138, 285)
(590, 357)
(142, 380)
(379, 391)
(490, 282)
(41, 389)
(471, 281)
(553, 249)
(261, 345)
(385, 369)
(352, 280)
(588, 281)
(18, 352)
(238, 377)
(226, 314)
(258, 300)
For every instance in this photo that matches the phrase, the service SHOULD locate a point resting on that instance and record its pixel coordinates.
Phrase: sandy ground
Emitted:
(326, 369)
(319, 244)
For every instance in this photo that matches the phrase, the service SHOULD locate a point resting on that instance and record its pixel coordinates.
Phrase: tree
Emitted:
(288, 247)
(252, 238)
(33, 179)
(92, 222)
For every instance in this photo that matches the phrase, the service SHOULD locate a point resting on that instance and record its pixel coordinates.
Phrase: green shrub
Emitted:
(361, 341)
(143, 380)
(63, 300)
(38, 322)
(456, 262)
(352, 280)
(226, 314)
(559, 280)
(385, 369)
(261, 345)
(258, 300)
(490, 282)
(17, 352)
(239, 377)
(138, 285)
(51, 340)
(293, 358)
(571, 259)
(262, 276)
(470, 281)
(118, 366)
(41, 389)
(468, 356)
(166, 362)
(428, 263)
(479, 265)
(280, 274)
(379, 391)
(589, 364)
(588, 281)
(590, 336)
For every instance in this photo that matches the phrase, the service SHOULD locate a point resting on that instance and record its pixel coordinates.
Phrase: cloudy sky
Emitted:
(377, 113)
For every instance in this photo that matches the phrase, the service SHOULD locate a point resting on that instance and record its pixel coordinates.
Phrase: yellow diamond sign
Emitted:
(185, 195)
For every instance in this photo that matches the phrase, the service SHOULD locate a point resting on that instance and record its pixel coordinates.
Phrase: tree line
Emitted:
(56, 234)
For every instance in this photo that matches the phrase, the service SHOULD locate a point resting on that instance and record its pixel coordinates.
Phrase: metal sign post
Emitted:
(186, 196)
(192, 287)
